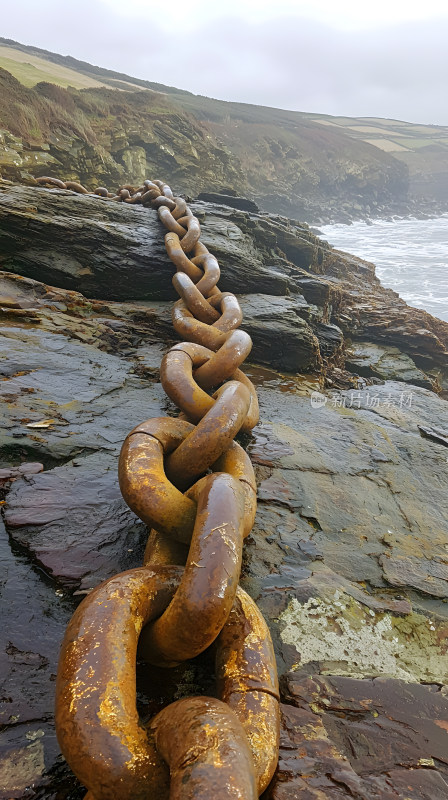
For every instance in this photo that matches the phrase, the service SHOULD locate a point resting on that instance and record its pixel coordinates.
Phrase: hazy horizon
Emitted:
(388, 60)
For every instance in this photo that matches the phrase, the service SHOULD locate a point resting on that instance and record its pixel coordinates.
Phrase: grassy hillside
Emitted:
(30, 69)
(106, 76)
(423, 148)
(75, 119)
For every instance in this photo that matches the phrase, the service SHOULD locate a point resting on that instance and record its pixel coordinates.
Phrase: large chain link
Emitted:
(195, 487)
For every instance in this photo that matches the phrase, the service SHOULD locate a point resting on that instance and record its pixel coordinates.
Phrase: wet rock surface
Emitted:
(386, 363)
(110, 251)
(348, 559)
(373, 740)
(34, 615)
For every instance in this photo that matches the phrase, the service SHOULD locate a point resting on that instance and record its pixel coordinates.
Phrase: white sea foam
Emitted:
(411, 256)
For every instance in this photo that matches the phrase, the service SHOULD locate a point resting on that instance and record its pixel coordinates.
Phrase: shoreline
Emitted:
(409, 255)
(384, 216)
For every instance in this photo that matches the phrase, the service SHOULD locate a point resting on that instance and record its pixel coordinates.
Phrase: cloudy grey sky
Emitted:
(384, 58)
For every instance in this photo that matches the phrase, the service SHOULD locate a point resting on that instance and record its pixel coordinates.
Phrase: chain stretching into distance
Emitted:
(195, 487)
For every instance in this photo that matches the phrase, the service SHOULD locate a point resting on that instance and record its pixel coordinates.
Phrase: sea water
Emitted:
(411, 256)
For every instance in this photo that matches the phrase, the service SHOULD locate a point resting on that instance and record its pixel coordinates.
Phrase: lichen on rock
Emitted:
(346, 638)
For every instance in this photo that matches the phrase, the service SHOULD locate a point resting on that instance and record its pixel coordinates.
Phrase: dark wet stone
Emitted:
(34, 617)
(374, 740)
(387, 363)
(279, 335)
(229, 200)
(268, 449)
(115, 251)
(12, 473)
(75, 523)
(330, 339)
(315, 290)
(441, 437)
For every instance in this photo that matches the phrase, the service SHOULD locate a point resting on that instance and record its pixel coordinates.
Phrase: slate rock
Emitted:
(242, 203)
(387, 363)
(343, 738)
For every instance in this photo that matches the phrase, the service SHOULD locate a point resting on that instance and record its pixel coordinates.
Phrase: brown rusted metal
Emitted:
(176, 376)
(45, 181)
(211, 436)
(237, 463)
(168, 220)
(143, 481)
(203, 268)
(96, 717)
(214, 748)
(194, 299)
(207, 590)
(225, 361)
(247, 681)
(193, 330)
(193, 233)
(232, 315)
(179, 259)
(164, 201)
(76, 187)
(180, 208)
(178, 381)
(95, 704)
(205, 746)
(253, 415)
(162, 549)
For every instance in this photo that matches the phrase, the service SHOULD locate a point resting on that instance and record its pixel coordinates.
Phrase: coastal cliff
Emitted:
(347, 559)
(306, 166)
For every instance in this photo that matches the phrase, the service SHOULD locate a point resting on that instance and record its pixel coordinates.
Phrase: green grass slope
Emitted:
(94, 124)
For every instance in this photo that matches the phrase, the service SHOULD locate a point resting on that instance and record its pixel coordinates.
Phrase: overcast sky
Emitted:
(385, 58)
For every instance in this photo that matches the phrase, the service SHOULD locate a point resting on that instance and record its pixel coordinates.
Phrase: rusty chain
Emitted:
(195, 487)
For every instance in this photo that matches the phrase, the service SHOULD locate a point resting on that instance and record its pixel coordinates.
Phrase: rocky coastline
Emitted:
(284, 163)
(348, 557)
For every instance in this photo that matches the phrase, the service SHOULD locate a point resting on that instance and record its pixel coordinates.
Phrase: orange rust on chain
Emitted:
(231, 316)
(207, 590)
(98, 728)
(45, 181)
(225, 361)
(144, 484)
(176, 376)
(206, 748)
(211, 436)
(193, 233)
(194, 299)
(164, 201)
(180, 384)
(168, 220)
(198, 747)
(76, 187)
(247, 681)
(163, 549)
(237, 463)
(193, 330)
(253, 415)
(179, 259)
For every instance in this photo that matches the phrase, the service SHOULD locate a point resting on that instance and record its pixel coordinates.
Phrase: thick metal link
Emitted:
(206, 593)
(201, 748)
(96, 717)
(144, 484)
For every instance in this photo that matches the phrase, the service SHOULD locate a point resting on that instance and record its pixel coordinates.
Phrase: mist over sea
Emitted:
(411, 256)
